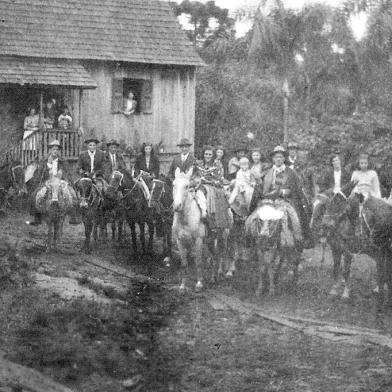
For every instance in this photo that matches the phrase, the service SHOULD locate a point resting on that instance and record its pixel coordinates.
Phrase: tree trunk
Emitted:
(285, 110)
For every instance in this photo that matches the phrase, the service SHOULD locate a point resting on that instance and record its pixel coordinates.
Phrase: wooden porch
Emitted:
(36, 146)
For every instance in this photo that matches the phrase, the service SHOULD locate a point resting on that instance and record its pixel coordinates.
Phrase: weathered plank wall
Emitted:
(173, 105)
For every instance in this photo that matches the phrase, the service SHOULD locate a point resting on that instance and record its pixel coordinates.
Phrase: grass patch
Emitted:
(76, 340)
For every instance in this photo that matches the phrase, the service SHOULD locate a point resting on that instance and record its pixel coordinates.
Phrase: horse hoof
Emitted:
(166, 261)
(229, 274)
(199, 286)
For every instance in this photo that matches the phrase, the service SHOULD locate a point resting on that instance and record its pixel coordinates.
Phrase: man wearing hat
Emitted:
(52, 165)
(91, 162)
(113, 160)
(184, 161)
(281, 182)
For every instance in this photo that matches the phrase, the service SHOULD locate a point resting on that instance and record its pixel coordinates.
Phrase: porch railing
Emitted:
(36, 145)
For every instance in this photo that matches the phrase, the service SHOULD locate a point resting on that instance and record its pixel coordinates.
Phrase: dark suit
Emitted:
(288, 186)
(120, 163)
(183, 166)
(153, 167)
(327, 182)
(84, 163)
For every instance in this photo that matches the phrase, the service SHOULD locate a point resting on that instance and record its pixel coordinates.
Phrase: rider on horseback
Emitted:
(53, 166)
(91, 163)
(282, 183)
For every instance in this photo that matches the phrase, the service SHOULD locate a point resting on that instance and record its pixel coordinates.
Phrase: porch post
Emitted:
(80, 107)
(40, 137)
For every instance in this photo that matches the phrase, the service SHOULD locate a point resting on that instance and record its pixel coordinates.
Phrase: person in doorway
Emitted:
(184, 161)
(49, 115)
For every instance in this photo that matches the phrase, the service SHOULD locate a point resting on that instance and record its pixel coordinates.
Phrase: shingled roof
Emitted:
(142, 31)
(17, 70)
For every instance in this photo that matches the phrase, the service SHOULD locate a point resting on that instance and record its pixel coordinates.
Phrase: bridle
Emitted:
(91, 198)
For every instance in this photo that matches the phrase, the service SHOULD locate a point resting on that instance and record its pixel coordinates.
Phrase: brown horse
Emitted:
(112, 208)
(161, 203)
(90, 208)
(54, 200)
(137, 212)
(274, 239)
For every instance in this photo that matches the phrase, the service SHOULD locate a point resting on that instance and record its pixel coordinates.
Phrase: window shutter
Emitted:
(117, 95)
(146, 97)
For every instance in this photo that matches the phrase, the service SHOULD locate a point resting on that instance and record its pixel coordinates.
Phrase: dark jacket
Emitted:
(184, 167)
(153, 167)
(120, 163)
(84, 163)
(327, 182)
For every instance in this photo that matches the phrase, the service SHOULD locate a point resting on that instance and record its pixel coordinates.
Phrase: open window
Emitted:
(131, 96)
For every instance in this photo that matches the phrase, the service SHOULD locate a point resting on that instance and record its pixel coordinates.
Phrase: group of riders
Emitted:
(227, 191)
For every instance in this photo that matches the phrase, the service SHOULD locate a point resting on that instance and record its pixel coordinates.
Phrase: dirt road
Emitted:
(72, 318)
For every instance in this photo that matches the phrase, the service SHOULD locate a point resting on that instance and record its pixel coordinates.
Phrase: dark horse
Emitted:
(90, 205)
(137, 212)
(161, 203)
(11, 176)
(113, 208)
(348, 231)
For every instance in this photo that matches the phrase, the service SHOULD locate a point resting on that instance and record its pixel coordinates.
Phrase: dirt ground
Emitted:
(71, 317)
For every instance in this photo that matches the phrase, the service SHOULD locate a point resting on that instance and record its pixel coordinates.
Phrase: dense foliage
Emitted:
(340, 83)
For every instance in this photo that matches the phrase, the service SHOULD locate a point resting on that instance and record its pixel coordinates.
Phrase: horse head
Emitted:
(336, 210)
(265, 223)
(181, 186)
(84, 188)
(114, 186)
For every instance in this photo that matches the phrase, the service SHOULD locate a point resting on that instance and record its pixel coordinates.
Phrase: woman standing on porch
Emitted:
(31, 125)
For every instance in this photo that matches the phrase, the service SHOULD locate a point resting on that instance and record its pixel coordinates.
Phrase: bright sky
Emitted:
(358, 24)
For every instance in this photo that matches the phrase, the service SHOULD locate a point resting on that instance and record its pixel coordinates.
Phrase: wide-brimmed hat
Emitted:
(293, 145)
(113, 141)
(92, 139)
(278, 149)
(54, 143)
(184, 142)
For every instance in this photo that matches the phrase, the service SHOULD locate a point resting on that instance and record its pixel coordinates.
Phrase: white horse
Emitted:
(189, 230)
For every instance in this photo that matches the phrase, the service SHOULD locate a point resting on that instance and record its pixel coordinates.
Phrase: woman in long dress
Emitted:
(366, 179)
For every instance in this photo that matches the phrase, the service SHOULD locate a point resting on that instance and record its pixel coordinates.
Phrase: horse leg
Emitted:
(50, 236)
(382, 271)
(336, 256)
(184, 264)
(142, 236)
(273, 275)
(262, 271)
(132, 226)
(88, 228)
(167, 243)
(113, 225)
(323, 242)
(55, 233)
(199, 263)
(150, 226)
(347, 257)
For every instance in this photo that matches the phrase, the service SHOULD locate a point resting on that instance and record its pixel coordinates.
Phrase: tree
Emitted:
(200, 16)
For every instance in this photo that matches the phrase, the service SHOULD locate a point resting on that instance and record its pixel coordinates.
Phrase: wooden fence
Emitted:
(36, 145)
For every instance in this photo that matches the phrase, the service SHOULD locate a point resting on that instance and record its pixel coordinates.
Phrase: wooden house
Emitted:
(89, 55)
